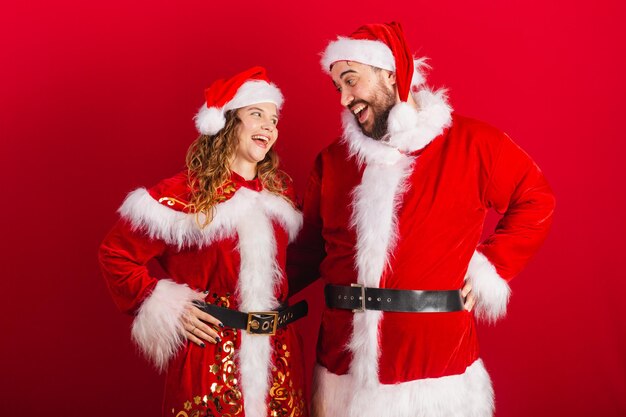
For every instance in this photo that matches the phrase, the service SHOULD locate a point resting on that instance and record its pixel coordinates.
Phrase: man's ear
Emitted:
(389, 78)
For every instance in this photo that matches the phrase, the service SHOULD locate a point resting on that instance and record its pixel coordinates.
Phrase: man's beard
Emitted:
(380, 105)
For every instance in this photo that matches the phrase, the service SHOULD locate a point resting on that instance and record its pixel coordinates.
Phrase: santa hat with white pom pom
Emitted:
(383, 45)
(380, 45)
(244, 89)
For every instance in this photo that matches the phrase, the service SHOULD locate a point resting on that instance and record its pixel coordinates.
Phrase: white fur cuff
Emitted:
(492, 291)
(157, 328)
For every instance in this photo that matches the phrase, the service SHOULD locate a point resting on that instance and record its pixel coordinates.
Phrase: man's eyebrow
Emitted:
(346, 72)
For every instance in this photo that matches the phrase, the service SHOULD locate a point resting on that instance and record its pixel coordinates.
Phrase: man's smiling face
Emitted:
(368, 92)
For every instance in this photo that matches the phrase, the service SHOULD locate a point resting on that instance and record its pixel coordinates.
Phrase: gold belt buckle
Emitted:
(361, 298)
(254, 325)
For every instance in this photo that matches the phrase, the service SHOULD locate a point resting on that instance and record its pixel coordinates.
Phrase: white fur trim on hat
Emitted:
(158, 328)
(255, 91)
(210, 120)
(491, 290)
(374, 53)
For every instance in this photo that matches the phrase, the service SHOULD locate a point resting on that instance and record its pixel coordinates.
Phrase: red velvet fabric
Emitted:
(201, 379)
(462, 173)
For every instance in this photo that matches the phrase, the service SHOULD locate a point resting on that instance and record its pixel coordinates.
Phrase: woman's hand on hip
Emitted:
(199, 326)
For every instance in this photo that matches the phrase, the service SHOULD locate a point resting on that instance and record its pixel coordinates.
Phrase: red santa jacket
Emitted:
(408, 214)
(239, 258)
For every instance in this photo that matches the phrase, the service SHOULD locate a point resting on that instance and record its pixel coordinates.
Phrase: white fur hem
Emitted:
(157, 328)
(181, 229)
(466, 395)
(492, 291)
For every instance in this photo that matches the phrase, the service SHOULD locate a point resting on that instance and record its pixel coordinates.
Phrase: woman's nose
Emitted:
(269, 126)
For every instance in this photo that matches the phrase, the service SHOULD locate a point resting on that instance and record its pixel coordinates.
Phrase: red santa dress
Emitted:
(239, 258)
(407, 213)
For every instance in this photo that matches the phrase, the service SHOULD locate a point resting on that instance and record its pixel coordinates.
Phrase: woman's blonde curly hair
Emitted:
(207, 162)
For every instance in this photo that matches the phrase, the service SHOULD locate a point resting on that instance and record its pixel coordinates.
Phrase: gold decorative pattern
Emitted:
(220, 300)
(171, 202)
(225, 191)
(223, 397)
(285, 399)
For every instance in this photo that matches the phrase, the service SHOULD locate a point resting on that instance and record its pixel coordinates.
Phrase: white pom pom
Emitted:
(209, 121)
(411, 129)
(402, 117)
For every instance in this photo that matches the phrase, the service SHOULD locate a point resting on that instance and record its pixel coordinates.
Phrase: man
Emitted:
(393, 216)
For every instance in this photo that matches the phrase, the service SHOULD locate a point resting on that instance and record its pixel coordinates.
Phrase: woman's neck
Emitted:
(245, 169)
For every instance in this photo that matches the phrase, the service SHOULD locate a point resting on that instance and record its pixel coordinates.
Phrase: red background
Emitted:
(97, 97)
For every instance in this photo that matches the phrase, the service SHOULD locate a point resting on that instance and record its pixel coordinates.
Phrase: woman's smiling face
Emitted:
(257, 132)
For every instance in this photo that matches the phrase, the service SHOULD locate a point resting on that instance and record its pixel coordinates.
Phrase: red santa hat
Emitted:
(244, 89)
(381, 45)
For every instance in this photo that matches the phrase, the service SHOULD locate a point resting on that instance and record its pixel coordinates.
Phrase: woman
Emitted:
(220, 231)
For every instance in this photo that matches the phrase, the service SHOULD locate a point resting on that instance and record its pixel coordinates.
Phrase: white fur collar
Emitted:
(181, 229)
(409, 129)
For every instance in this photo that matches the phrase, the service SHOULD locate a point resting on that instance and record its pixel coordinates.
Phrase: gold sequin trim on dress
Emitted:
(285, 399)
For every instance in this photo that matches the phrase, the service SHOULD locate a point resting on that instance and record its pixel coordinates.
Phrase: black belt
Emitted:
(256, 322)
(359, 298)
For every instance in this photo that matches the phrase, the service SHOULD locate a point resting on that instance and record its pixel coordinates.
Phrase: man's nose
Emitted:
(346, 98)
